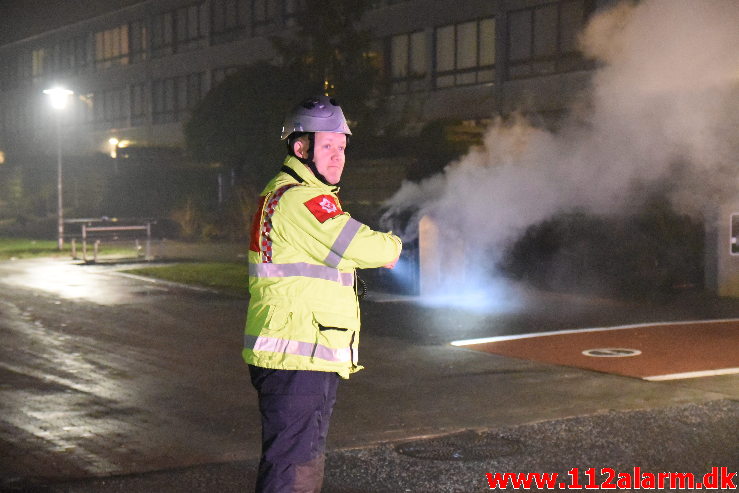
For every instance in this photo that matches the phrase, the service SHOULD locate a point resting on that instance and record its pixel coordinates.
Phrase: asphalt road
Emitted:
(114, 383)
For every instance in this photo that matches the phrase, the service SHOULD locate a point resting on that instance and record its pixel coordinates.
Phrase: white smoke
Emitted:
(662, 110)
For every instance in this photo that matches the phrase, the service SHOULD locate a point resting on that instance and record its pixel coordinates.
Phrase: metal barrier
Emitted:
(90, 232)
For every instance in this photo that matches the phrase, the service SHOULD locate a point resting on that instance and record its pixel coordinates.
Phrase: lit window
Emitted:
(111, 47)
(408, 61)
(543, 40)
(40, 62)
(465, 53)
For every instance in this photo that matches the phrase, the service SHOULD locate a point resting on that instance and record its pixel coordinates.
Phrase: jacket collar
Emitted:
(306, 174)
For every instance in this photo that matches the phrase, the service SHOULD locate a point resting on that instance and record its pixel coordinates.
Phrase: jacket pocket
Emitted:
(324, 328)
(324, 320)
(278, 318)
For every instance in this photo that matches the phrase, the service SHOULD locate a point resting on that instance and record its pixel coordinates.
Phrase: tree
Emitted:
(334, 55)
(238, 122)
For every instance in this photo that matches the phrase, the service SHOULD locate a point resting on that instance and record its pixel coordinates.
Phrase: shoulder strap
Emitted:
(291, 172)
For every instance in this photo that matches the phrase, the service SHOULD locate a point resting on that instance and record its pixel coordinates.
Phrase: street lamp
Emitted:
(58, 97)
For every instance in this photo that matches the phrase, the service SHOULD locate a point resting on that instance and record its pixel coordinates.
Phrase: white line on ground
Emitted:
(692, 374)
(483, 340)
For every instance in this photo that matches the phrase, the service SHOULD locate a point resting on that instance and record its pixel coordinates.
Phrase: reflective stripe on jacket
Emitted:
(303, 310)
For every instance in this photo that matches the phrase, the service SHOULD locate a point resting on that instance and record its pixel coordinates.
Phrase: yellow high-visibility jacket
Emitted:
(303, 311)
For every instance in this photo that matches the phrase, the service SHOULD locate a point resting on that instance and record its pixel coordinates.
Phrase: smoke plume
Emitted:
(661, 112)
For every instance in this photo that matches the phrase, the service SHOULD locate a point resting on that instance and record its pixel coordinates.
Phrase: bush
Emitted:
(230, 221)
(653, 252)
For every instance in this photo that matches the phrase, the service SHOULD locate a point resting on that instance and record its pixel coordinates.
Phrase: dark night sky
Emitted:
(23, 18)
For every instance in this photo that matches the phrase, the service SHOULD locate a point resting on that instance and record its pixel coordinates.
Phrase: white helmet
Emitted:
(316, 114)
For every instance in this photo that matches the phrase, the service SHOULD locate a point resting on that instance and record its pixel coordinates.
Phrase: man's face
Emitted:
(328, 154)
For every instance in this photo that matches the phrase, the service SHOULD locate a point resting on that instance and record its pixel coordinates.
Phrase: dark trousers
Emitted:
(296, 407)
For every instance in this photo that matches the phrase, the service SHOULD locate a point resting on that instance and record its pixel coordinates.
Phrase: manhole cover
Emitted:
(465, 446)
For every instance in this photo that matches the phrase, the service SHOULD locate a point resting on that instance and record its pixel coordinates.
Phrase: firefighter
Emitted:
(302, 327)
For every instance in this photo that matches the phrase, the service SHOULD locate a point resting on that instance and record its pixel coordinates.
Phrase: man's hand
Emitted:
(390, 265)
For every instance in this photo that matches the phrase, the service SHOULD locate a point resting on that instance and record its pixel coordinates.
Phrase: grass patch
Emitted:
(25, 248)
(228, 277)
(18, 248)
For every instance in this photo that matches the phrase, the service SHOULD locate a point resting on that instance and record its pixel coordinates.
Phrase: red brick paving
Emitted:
(666, 349)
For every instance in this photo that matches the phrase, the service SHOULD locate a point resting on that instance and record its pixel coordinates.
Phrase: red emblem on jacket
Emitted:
(324, 207)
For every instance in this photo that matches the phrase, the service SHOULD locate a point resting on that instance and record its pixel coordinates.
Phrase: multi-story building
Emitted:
(138, 70)
(137, 67)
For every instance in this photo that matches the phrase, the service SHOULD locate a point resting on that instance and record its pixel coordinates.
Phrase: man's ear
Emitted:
(300, 149)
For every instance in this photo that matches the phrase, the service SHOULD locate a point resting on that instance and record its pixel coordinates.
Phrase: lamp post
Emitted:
(58, 97)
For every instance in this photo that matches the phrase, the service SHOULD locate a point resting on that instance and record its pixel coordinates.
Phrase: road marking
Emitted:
(693, 374)
(483, 340)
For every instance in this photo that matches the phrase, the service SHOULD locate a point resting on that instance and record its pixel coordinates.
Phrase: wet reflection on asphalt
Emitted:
(99, 377)
(72, 280)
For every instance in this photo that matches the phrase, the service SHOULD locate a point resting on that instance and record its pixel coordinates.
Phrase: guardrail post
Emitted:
(148, 241)
(84, 243)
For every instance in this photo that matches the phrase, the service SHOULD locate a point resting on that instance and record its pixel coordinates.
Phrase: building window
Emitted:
(139, 104)
(190, 26)
(228, 19)
(734, 234)
(66, 56)
(193, 91)
(115, 106)
(162, 34)
(264, 15)
(11, 118)
(16, 114)
(24, 67)
(163, 99)
(173, 98)
(15, 70)
(543, 40)
(293, 8)
(178, 30)
(6, 77)
(85, 108)
(9, 73)
(110, 108)
(74, 54)
(138, 36)
(465, 53)
(40, 62)
(408, 61)
(111, 47)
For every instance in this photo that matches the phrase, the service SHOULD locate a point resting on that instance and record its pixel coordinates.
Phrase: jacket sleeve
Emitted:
(332, 238)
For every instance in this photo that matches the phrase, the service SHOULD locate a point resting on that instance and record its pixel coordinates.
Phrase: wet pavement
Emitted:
(115, 383)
